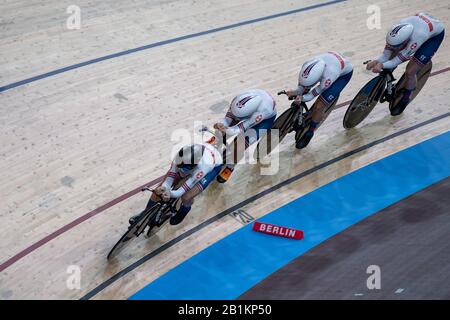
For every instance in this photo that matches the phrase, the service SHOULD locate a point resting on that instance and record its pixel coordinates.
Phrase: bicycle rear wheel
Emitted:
(364, 102)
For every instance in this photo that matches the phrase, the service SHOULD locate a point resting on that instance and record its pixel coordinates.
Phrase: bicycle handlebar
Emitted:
(385, 71)
(206, 129)
(284, 92)
(171, 201)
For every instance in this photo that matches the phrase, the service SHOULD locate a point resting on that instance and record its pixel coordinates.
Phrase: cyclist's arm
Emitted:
(328, 79)
(403, 55)
(387, 53)
(197, 174)
(250, 122)
(228, 118)
(300, 90)
(312, 94)
(171, 175)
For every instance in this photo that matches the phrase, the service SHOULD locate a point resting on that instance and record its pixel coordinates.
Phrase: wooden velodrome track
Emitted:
(76, 141)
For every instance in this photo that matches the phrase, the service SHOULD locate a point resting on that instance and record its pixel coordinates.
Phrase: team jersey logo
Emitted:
(414, 45)
(200, 175)
(327, 83)
(258, 118)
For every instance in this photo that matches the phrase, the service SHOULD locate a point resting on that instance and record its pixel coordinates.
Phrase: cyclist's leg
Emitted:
(418, 61)
(188, 198)
(316, 117)
(421, 58)
(252, 135)
(426, 52)
(325, 99)
(259, 130)
(249, 137)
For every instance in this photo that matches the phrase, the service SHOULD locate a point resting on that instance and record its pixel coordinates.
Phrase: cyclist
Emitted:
(199, 164)
(251, 109)
(416, 39)
(333, 72)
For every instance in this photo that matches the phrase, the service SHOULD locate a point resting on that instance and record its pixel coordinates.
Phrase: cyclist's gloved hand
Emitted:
(371, 64)
(159, 190)
(166, 195)
(221, 127)
(298, 100)
(291, 94)
(377, 68)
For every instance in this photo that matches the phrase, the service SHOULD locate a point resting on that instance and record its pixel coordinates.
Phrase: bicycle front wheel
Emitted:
(134, 230)
(364, 102)
(284, 124)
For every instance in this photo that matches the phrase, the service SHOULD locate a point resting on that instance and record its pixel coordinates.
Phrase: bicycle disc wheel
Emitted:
(364, 102)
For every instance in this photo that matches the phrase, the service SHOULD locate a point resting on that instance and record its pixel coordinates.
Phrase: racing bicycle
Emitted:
(155, 216)
(295, 119)
(381, 88)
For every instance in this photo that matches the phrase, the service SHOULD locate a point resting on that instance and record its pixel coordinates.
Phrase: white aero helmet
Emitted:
(311, 72)
(189, 156)
(245, 104)
(399, 33)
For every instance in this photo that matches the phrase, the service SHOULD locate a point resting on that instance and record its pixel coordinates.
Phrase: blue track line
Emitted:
(163, 43)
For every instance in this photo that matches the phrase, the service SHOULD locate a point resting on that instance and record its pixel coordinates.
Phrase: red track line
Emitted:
(108, 205)
(439, 71)
(343, 104)
(73, 224)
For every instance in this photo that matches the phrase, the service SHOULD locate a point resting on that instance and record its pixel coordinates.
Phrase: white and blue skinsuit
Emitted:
(425, 40)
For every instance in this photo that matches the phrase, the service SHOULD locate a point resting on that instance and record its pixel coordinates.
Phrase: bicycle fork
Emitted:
(303, 113)
(389, 92)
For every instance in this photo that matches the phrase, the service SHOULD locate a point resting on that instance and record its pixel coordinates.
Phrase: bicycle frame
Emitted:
(302, 108)
(164, 207)
(390, 86)
(148, 218)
